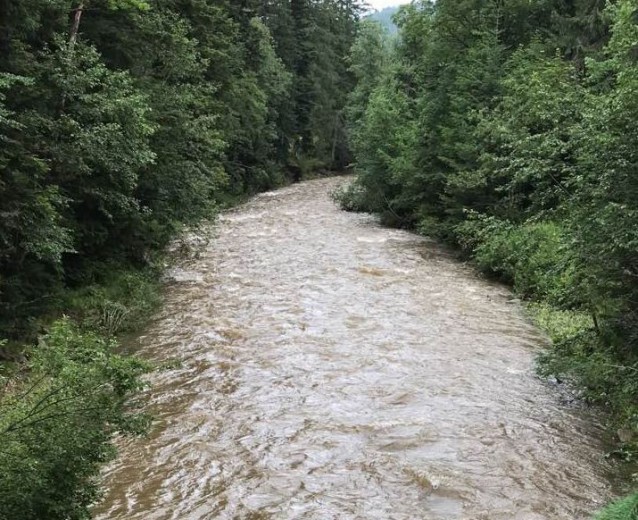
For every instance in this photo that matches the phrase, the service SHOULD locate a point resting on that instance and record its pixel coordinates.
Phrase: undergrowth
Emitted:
(626, 509)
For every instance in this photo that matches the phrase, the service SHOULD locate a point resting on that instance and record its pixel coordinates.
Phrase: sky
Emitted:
(380, 4)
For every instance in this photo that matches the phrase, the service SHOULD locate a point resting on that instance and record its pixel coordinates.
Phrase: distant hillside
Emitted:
(384, 17)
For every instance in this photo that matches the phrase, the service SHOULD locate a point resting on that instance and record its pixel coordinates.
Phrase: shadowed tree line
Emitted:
(121, 120)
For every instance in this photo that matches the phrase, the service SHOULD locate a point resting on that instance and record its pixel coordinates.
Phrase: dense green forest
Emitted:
(121, 122)
(510, 129)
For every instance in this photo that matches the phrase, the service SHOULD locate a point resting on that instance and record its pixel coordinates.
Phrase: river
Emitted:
(332, 368)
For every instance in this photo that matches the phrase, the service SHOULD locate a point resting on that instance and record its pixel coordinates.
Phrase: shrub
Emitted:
(351, 197)
(123, 300)
(58, 419)
(579, 354)
(534, 257)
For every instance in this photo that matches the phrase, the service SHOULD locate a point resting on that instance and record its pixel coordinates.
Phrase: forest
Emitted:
(122, 122)
(506, 129)
(510, 130)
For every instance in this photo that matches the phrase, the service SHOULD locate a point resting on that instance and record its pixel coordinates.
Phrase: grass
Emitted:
(121, 303)
(626, 509)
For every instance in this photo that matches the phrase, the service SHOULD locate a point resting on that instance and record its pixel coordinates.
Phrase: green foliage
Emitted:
(57, 421)
(101, 130)
(562, 326)
(351, 197)
(147, 120)
(369, 57)
(604, 217)
(527, 151)
(626, 509)
(120, 303)
(534, 257)
(382, 131)
(122, 122)
(128, 4)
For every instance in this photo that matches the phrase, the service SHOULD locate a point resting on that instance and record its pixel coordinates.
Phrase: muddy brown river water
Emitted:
(336, 369)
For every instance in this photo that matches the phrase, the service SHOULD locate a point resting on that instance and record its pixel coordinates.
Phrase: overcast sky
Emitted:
(380, 4)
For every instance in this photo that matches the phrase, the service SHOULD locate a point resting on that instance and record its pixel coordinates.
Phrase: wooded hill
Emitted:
(385, 18)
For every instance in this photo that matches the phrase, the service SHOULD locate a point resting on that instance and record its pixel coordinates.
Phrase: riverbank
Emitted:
(536, 262)
(68, 389)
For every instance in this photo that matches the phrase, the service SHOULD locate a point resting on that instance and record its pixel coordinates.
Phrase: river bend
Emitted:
(335, 369)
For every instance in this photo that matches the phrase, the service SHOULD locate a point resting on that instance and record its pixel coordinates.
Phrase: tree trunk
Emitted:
(75, 27)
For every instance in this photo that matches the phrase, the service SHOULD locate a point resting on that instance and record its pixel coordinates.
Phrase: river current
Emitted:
(332, 368)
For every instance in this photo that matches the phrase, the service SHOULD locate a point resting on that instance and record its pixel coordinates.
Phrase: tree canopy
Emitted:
(121, 122)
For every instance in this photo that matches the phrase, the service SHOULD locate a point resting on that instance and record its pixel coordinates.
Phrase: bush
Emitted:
(58, 419)
(534, 257)
(579, 354)
(351, 197)
(123, 300)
